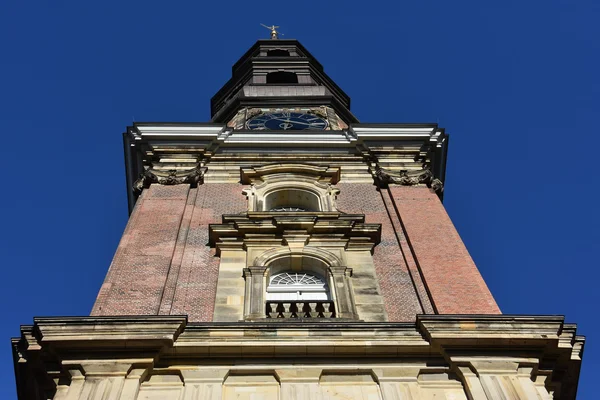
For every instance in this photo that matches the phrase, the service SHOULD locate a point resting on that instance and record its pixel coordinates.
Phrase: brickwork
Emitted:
(136, 278)
(398, 291)
(166, 302)
(164, 265)
(196, 285)
(407, 254)
(454, 283)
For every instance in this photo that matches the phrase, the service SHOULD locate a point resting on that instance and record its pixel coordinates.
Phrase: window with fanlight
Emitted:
(297, 286)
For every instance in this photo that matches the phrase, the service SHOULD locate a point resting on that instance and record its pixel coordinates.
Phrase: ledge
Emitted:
(544, 342)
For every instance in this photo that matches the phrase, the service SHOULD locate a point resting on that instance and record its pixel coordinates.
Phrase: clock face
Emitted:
(286, 121)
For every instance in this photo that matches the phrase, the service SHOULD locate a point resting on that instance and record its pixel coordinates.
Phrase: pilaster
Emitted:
(300, 383)
(399, 383)
(205, 384)
(255, 289)
(344, 292)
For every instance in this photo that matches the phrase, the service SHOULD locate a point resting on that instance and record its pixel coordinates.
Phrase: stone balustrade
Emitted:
(300, 309)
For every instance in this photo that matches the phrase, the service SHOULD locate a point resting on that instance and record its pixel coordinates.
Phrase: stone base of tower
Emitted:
(165, 357)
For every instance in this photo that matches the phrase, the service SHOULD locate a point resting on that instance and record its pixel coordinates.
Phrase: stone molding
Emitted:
(193, 177)
(325, 256)
(348, 230)
(266, 172)
(124, 351)
(314, 181)
(222, 149)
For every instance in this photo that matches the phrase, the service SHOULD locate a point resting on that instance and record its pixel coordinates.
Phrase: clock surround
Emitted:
(287, 120)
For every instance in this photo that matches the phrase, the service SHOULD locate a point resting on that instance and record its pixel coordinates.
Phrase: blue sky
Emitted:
(515, 84)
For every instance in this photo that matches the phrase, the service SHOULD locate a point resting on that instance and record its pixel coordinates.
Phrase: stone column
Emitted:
(343, 291)
(300, 383)
(254, 306)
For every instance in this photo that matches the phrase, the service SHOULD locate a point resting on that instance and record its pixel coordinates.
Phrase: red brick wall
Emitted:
(163, 264)
(397, 287)
(197, 281)
(136, 277)
(454, 283)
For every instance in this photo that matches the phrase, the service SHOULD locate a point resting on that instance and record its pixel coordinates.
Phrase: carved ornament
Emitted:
(409, 177)
(193, 177)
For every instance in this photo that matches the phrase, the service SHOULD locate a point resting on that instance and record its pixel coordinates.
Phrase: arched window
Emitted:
(288, 209)
(289, 200)
(297, 286)
(282, 77)
(278, 53)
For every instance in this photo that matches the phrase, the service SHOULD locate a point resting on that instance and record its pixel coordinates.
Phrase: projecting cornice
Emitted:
(471, 346)
(346, 230)
(356, 151)
(264, 173)
(163, 133)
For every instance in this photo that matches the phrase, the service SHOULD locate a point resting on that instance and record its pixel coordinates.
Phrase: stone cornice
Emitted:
(109, 331)
(260, 174)
(470, 330)
(545, 343)
(344, 228)
(169, 146)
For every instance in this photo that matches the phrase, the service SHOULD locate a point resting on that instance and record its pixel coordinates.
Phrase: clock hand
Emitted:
(298, 122)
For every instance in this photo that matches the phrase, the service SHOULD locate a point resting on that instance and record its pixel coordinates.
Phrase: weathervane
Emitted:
(274, 32)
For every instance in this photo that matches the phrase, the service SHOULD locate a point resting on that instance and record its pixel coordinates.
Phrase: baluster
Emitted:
(269, 310)
(280, 310)
(320, 309)
(306, 310)
(293, 310)
(332, 309)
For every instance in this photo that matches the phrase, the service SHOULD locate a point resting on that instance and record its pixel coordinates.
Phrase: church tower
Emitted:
(284, 250)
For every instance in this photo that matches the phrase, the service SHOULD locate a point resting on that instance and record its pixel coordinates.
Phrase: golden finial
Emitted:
(274, 32)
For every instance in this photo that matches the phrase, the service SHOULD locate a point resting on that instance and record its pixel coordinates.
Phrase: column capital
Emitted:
(340, 270)
(254, 271)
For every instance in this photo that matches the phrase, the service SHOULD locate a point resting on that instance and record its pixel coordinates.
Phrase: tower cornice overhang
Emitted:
(370, 147)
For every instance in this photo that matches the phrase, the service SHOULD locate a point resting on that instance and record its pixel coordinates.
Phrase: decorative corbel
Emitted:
(437, 186)
(193, 177)
(144, 181)
(409, 178)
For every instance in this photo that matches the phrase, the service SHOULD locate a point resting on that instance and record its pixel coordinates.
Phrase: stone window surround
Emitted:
(315, 181)
(338, 278)
(322, 195)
